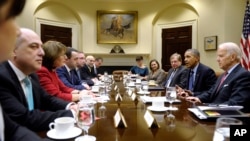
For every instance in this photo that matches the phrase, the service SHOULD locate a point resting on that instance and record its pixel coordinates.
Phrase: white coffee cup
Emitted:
(62, 125)
(95, 88)
(138, 81)
(131, 83)
(158, 103)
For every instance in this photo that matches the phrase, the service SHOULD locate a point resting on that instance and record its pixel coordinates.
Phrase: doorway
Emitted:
(56, 33)
(175, 40)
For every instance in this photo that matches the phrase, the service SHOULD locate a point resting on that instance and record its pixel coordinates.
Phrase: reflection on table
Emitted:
(186, 127)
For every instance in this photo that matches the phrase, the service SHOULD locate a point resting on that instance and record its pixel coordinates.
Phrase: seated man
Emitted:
(80, 63)
(174, 74)
(68, 74)
(97, 65)
(233, 86)
(22, 97)
(87, 71)
(198, 77)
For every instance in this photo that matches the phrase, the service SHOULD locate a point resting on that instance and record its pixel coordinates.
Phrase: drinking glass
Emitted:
(222, 129)
(102, 108)
(85, 119)
(171, 96)
(170, 121)
(144, 87)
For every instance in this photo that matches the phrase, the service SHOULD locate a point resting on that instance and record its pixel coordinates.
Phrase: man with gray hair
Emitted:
(87, 71)
(233, 86)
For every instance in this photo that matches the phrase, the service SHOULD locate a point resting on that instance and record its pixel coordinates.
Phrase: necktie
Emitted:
(29, 93)
(72, 76)
(221, 81)
(78, 74)
(170, 78)
(191, 80)
(95, 69)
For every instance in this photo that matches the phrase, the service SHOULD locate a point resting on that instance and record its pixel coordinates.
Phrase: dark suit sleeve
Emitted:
(47, 107)
(15, 132)
(208, 80)
(240, 91)
(62, 74)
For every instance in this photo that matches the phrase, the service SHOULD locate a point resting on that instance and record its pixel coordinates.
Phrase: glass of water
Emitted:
(222, 129)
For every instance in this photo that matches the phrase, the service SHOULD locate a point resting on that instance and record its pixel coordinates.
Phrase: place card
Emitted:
(133, 96)
(119, 120)
(115, 88)
(118, 97)
(130, 92)
(150, 120)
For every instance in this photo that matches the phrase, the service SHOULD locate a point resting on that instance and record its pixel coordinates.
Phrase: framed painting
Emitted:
(210, 43)
(117, 27)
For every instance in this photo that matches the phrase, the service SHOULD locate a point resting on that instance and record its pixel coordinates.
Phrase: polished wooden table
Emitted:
(187, 126)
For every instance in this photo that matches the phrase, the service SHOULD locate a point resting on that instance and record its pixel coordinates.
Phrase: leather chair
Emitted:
(118, 74)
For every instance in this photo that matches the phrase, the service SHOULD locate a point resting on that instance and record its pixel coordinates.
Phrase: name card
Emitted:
(133, 96)
(119, 120)
(115, 88)
(130, 92)
(118, 97)
(150, 120)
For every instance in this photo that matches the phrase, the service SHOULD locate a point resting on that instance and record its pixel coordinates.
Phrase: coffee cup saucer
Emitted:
(157, 109)
(75, 131)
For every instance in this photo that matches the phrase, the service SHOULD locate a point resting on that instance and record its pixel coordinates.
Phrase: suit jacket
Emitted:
(86, 74)
(46, 107)
(53, 85)
(15, 132)
(205, 78)
(63, 74)
(176, 80)
(233, 91)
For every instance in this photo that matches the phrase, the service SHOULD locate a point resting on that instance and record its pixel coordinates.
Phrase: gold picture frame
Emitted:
(210, 43)
(117, 27)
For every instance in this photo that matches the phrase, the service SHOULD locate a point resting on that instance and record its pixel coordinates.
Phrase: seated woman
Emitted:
(55, 57)
(157, 74)
(140, 68)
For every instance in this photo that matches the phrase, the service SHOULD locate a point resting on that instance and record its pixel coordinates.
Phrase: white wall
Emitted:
(214, 17)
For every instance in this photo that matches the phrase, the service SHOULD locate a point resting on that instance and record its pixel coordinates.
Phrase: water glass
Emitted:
(222, 129)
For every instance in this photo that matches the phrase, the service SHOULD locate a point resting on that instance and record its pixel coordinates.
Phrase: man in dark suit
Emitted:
(97, 65)
(68, 74)
(32, 108)
(199, 77)
(174, 74)
(80, 63)
(87, 71)
(233, 86)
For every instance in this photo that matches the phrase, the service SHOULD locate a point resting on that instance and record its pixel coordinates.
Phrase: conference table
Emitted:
(186, 127)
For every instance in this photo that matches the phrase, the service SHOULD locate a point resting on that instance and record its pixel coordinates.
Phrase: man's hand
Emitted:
(193, 99)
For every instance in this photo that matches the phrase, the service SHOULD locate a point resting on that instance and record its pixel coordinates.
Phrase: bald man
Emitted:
(87, 71)
(233, 86)
(34, 109)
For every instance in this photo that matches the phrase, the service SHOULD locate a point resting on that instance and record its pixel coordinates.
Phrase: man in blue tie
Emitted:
(43, 108)
(68, 74)
(233, 86)
(199, 77)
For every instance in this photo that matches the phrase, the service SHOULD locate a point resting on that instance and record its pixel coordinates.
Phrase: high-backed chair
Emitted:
(118, 74)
